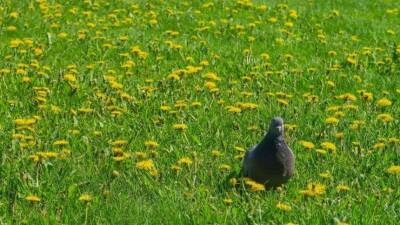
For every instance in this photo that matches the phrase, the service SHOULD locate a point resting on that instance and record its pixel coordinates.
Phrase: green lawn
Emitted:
(139, 112)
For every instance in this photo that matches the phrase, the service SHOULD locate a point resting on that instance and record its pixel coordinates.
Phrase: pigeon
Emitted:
(271, 162)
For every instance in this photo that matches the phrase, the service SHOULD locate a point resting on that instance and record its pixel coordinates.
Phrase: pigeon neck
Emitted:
(271, 137)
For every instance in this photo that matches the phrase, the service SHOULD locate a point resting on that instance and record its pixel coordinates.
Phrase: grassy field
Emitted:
(139, 112)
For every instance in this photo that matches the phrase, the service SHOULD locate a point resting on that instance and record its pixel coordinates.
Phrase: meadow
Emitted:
(139, 112)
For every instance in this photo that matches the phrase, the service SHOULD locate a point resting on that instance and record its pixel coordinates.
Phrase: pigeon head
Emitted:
(276, 127)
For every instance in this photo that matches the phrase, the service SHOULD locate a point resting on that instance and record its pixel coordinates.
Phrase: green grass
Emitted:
(230, 37)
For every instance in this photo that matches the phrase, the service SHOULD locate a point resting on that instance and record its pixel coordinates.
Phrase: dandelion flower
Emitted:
(24, 122)
(32, 198)
(339, 135)
(331, 120)
(233, 181)
(328, 146)
(307, 145)
(284, 207)
(115, 173)
(384, 117)
(283, 102)
(347, 97)
(379, 146)
(121, 158)
(342, 188)
(313, 189)
(393, 140)
(233, 109)
(394, 169)
(151, 144)
(228, 201)
(321, 152)
(85, 198)
(119, 142)
(254, 186)
(384, 102)
(176, 168)
(60, 142)
(367, 96)
(216, 153)
(224, 167)
(342, 223)
(165, 108)
(185, 161)
(145, 165)
(180, 126)
(326, 175)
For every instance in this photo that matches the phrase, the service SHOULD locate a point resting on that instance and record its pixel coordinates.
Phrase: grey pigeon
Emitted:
(271, 162)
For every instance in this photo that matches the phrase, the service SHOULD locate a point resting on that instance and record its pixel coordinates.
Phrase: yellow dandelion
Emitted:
(47, 154)
(342, 188)
(367, 96)
(326, 175)
(140, 155)
(185, 161)
(328, 146)
(342, 223)
(85, 110)
(307, 145)
(338, 135)
(283, 102)
(384, 102)
(24, 122)
(121, 158)
(224, 167)
(254, 186)
(393, 140)
(394, 169)
(151, 144)
(321, 152)
(347, 97)
(176, 168)
(32, 198)
(180, 126)
(145, 165)
(85, 198)
(115, 173)
(284, 207)
(119, 142)
(385, 117)
(331, 120)
(62, 35)
(233, 181)
(153, 172)
(210, 85)
(196, 104)
(233, 109)
(216, 153)
(379, 146)
(165, 108)
(212, 76)
(228, 201)
(332, 53)
(13, 15)
(313, 189)
(60, 142)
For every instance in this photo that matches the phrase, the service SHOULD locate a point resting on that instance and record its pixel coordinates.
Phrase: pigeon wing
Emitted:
(247, 161)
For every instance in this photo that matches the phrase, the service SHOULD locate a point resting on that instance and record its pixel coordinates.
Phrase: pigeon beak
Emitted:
(279, 128)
